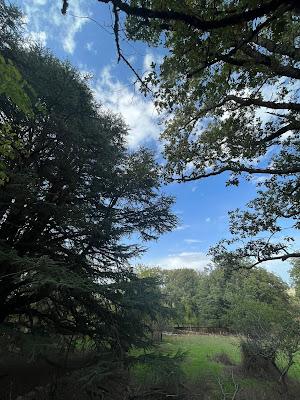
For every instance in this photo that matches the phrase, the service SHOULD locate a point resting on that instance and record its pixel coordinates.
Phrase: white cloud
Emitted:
(90, 47)
(148, 60)
(182, 227)
(192, 241)
(207, 219)
(39, 2)
(36, 37)
(86, 72)
(178, 212)
(151, 58)
(43, 15)
(196, 260)
(139, 114)
(257, 180)
(286, 135)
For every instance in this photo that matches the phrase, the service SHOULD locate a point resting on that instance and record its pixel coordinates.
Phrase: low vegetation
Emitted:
(211, 364)
(77, 320)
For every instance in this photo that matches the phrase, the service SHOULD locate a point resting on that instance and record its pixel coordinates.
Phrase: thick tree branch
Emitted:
(196, 22)
(263, 103)
(240, 169)
(283, 257)
(256, 58)
(280, 132)
(268, 61)
(253, 59)
(278, 48)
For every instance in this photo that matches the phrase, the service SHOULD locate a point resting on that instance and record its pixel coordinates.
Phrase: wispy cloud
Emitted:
(90, 46)
(46, 16)
(182, 227)
(193, 241)
(36, 37)
(196, 260)
(150, 58)
(139, 113)
(178, 212)
(258, 180)
(208, 219)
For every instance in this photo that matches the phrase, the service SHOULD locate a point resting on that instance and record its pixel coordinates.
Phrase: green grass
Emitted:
(201, 351)
(199, 364)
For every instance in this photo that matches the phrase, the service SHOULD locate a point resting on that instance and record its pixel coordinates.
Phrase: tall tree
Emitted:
(295, 275)
(230, 80)
(12, 83)
(73, 199)
(219, 293)
(180, 288)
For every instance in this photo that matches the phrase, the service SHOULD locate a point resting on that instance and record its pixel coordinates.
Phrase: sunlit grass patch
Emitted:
(202, 370)
(199, 356)
(201, 351)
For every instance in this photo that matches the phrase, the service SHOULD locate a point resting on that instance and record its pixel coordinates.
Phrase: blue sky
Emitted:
(201, 206)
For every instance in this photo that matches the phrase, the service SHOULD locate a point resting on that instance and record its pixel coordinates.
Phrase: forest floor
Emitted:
(210, 370)
(181, 367)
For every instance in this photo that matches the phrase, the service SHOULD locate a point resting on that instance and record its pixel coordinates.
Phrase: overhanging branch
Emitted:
(283, 257)
(196, 22)
(240, 169)
(263, 103)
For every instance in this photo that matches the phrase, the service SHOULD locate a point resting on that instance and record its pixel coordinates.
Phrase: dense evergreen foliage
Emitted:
(76, 205)
(73, 198)
(12, 84)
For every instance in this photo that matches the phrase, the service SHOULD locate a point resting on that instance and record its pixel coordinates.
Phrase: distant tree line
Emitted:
(252, 303)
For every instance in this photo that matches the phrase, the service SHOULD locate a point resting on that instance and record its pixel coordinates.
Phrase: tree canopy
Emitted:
(12, 83)
(229, 81)
(73, 201)
(210, 298)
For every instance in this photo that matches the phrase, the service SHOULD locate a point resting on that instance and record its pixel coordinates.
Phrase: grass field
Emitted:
(201, 364)
(201, 351)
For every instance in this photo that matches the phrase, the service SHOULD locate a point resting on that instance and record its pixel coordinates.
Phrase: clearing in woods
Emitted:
(212, 364)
